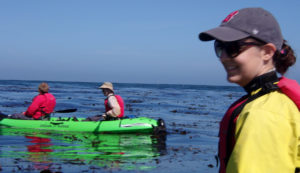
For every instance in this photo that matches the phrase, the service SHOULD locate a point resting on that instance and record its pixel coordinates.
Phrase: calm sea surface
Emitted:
(192, 114)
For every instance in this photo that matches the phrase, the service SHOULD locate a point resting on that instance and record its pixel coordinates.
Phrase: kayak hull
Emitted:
(128, 125)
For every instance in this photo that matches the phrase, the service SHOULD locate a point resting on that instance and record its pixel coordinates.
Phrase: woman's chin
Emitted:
(238, 80)
(233, 79)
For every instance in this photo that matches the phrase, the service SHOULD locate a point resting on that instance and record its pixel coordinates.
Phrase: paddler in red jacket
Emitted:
(114, 104)
(41, 106)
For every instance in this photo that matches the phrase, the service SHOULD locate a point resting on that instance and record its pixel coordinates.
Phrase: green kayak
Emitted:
(126, 125)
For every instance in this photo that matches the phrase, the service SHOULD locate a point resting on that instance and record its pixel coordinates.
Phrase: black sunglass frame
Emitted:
(233, 49)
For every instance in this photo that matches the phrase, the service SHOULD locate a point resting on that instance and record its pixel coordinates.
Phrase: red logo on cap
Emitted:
(230, 16)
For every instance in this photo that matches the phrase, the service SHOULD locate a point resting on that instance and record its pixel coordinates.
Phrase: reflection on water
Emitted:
(38, 152)
(109, 151)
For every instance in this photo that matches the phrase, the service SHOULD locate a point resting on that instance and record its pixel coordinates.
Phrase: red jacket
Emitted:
(41, 105)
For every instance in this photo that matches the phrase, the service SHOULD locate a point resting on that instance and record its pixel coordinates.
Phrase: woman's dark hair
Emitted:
(284, 58)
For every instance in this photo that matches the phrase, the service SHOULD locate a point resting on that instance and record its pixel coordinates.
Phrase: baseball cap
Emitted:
(247, 22)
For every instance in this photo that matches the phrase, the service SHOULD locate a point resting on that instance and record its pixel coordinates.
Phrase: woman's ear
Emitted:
(268, 51)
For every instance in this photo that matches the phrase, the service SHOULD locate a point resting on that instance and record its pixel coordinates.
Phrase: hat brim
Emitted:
(223, 34)
(105, 87)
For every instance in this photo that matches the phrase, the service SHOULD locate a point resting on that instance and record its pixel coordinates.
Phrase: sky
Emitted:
(124, 41)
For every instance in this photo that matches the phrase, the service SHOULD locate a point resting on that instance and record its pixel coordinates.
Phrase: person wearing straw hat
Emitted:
(260, 132)
(114, 104)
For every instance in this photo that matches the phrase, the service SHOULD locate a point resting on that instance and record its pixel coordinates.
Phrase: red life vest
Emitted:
(120, 102)
(290, 88)
(41, 105)
(225, 146)
(227, 126)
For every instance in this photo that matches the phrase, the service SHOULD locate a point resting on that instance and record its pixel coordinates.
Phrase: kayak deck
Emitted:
(128, 125)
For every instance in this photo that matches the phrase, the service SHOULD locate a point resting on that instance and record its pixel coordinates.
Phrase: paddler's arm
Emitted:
(34, 107)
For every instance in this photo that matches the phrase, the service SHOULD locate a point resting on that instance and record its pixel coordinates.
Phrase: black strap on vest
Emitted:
(267, 84)
(110, 95)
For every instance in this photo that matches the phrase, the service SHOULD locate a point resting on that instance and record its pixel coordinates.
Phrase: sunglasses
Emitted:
(233, 49)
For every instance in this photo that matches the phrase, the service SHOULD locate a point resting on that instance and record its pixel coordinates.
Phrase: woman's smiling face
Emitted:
(247, 65)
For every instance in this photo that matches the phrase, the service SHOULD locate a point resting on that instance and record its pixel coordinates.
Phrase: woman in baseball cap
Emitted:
(260, 132)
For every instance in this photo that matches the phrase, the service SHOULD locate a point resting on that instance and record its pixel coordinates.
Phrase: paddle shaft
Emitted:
(65, 111)
(59, 111)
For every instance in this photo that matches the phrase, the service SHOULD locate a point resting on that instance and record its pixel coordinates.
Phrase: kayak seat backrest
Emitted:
(46, 117)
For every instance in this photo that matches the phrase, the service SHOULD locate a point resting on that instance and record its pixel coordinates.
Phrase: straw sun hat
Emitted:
(107, 85)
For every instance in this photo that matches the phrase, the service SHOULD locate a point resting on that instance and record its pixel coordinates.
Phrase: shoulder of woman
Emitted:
(275, 104)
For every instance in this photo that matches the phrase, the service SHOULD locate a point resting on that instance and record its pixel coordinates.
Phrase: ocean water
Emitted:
(191, 112)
